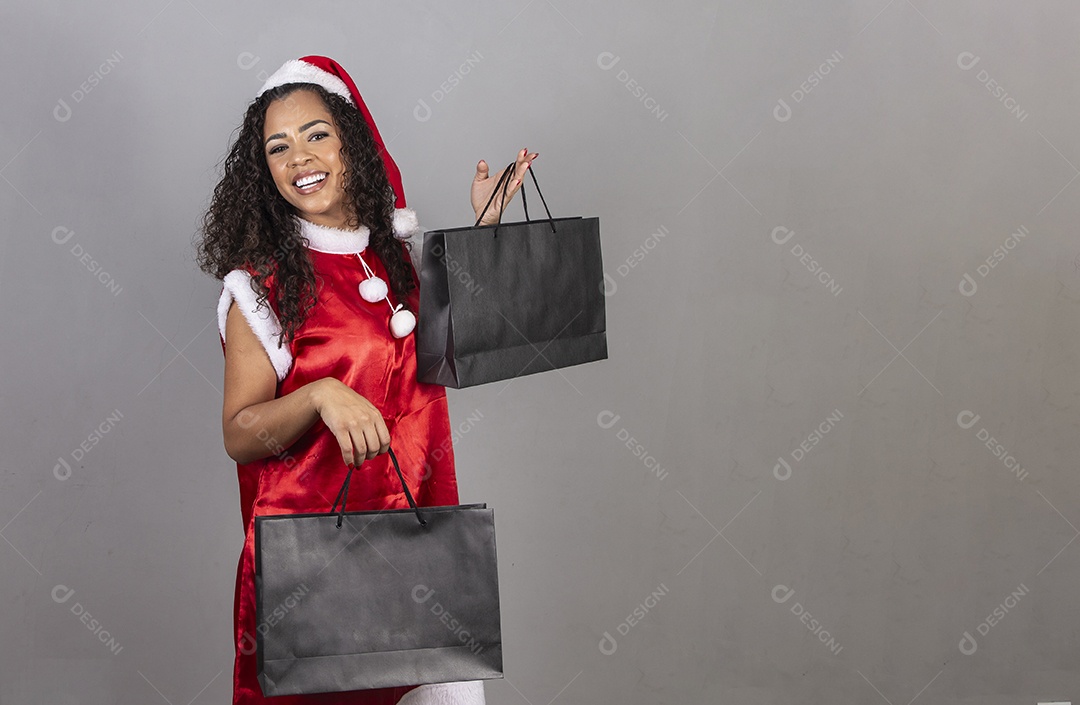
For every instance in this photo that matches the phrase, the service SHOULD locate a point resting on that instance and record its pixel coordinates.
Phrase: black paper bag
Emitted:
(376, 599)
(508, 300)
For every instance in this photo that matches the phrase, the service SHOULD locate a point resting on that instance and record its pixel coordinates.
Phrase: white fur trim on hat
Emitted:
(405, 223)
(263, 321)
(299, 71)
(463, 693)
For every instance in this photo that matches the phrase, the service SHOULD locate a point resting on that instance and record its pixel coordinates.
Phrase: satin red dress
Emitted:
(347, 338)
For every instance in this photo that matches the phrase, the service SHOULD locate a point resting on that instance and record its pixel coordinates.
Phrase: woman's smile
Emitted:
(310, 181)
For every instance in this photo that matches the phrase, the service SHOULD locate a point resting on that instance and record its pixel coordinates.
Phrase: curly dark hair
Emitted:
(250, 225)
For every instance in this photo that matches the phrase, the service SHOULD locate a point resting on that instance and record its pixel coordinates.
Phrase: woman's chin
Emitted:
(309, 206)
(317, 210)
(330, 216)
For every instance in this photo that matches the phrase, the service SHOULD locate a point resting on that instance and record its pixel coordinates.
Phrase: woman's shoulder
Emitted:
(260, 315)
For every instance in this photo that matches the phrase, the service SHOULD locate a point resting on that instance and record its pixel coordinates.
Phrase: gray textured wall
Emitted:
(811, 458)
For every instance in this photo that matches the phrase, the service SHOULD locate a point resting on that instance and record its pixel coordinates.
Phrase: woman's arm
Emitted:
(256, 424)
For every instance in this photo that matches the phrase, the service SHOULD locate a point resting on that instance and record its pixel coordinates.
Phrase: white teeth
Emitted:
(309, 180)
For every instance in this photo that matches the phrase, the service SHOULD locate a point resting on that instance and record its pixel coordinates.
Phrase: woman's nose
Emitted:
(300, 154)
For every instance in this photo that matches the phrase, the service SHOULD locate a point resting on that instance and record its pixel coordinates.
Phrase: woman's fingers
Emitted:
(523, 162)
(369, 438)
(370, 435)
(484, 184)
(516, 175)
(521, 165)
(383, 433)
(363, 440)
(345, 441)
(357, 424)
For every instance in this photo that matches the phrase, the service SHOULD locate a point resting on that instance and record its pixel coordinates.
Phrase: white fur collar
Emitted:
(335, 241)
(346, 242)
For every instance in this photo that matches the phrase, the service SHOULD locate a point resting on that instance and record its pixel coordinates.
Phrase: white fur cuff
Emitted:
(263, 321)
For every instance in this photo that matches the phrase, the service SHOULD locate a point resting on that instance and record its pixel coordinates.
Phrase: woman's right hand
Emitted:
(358, 426)
(483, 185)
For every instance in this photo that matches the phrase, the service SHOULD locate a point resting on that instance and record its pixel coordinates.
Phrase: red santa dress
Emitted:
(347, 338)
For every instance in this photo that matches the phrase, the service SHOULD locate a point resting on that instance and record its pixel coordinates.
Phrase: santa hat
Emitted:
(327, 73)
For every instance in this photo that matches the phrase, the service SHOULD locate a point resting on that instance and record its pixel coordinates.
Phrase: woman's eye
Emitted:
(320, 134)
(275, 149)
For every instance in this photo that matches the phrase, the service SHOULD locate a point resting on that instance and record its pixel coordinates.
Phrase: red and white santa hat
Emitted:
(327, 73)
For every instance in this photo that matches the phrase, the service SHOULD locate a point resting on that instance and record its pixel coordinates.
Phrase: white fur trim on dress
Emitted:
(405, 223)
(262, 319)
(298, 71)
(463, 693)
(335, 241)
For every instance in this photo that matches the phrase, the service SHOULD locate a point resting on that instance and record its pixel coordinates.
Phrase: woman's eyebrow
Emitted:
(303, 127)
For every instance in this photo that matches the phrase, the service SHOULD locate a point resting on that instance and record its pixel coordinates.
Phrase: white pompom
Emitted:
(405, 223)
(402, 323)
(373, 289)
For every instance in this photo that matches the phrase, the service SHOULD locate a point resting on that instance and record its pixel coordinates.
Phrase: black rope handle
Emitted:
(343, 493)
(504, 182)
(541, 194)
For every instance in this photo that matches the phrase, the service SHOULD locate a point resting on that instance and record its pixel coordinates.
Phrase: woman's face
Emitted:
(303, 151)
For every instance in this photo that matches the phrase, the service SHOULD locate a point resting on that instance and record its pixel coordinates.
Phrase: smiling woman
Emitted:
(305, 161)
(308, 230)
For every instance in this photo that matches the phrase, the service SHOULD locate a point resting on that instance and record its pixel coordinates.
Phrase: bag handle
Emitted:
(504, 183)
(343, 493)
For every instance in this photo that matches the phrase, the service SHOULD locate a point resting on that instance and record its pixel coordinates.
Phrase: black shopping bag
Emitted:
(375, 599)
(511, 299)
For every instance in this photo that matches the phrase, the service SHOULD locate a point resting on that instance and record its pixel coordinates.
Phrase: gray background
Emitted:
(899, 171)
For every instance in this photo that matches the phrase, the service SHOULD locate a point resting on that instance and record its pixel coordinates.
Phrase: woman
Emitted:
(320, 372)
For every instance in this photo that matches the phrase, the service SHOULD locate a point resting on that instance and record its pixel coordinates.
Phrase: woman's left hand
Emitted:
(483, 184)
